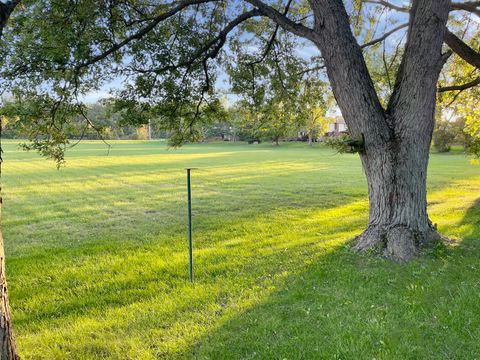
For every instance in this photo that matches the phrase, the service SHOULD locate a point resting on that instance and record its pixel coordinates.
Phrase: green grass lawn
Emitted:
(97, 257)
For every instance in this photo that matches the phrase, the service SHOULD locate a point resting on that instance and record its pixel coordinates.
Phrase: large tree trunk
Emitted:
(8, 350)
(396, 140)
(398, 221)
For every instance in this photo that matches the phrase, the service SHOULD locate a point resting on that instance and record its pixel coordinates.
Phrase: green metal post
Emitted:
(190, 244)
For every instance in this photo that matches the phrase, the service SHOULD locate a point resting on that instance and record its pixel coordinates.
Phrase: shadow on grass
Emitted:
(74, 283)
(347, 306)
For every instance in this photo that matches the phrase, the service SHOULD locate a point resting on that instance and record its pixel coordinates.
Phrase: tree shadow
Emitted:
(57, 292)
(348, 306)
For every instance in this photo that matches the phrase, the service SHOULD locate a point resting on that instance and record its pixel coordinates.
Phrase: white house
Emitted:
(337, 126)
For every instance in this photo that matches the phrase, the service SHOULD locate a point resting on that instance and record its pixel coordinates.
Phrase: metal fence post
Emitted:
(190, 244)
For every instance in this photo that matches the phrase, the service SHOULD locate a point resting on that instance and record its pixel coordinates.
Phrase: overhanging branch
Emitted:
(461, 87)
(143, 31)
(272, 38)
(6, 9)
(387, 4)
(462, 49)
(384, 36)
(470, 6)
(217, 43)
(208, 51)
(283, 20)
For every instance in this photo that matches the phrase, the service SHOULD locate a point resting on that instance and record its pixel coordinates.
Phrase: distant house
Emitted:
(231, 137)
(337, 127)
(302, 134)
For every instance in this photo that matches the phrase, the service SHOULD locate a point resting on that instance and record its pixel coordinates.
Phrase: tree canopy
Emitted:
(171, 60)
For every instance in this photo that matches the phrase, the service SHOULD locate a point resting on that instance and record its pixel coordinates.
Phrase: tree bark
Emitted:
(6, 8)
(398, 221)
(397, 139)
(8, 349)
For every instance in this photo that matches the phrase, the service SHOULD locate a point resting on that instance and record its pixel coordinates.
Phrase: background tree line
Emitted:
(300, 114)
(306, 120)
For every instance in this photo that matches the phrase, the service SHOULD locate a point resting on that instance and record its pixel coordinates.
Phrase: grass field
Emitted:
(97, 257)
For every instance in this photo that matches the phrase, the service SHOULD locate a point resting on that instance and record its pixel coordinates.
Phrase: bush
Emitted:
(344, 143)
(443, 136)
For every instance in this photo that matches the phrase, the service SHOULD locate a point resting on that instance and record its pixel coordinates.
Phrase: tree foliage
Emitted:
(167, 60)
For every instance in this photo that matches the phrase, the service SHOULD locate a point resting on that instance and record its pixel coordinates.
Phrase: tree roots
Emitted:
(399, 242)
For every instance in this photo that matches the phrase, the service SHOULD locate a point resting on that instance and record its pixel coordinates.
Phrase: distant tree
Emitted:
(247, 122)
(312, 105)
(464, 106)
(461, 137)
(278, 121)
(462, 101)
(142, 133)
(443, 136)
(472, 129)
(316, 124)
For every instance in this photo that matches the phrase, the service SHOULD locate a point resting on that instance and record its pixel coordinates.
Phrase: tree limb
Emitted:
(220, 41)
(387, 4)
(272, 38)
(422, 60)
(208, 51)
(283, 20)
(461, 87)
(470, 6)
(143, 31)
(461, 49)
(384, 36)
(456, 44)
(347, 71)
(6, 9)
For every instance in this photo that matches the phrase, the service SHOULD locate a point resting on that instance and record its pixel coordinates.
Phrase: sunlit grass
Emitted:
(97, 257)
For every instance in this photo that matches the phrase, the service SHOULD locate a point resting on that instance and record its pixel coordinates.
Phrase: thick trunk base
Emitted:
(397, 242)
(8, 350)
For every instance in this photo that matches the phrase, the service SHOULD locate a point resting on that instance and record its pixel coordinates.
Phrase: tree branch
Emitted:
(384, 36)
(387, 4)
(6, 9)
(143, 31)
(456, 44)
(208, 51)
(461, 87)
(220, 41)
(272, 38)
(283, 20)
(422, 60)
(470, 6)
(347, 71)
(461, 49)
